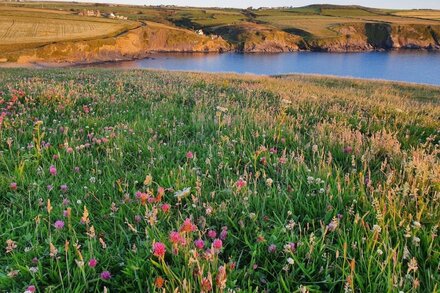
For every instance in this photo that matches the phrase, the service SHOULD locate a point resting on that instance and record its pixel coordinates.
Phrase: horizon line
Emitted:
(220, 7)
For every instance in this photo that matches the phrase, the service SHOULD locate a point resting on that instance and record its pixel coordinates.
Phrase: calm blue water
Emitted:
(418, 67)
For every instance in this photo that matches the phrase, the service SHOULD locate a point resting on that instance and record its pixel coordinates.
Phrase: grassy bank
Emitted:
(142, 180)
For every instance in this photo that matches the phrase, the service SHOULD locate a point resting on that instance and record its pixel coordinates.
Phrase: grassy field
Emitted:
(22, 28)
(142, 181)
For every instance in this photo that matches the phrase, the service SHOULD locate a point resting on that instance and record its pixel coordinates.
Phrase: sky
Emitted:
(398, 4)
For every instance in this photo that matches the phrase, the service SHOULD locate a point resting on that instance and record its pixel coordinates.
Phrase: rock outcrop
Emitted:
(244, 37)
(134, 44)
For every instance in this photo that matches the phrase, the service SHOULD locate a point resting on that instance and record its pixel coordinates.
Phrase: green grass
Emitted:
(24, 28)
(347, 170)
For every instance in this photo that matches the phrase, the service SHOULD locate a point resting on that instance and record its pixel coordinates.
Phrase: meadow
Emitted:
(146, 181)
(25, 28)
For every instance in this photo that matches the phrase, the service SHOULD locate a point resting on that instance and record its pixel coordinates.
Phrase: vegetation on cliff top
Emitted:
(139, 181)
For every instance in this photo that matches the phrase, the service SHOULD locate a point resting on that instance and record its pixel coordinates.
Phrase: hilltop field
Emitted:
(56, 32)
(150, 181)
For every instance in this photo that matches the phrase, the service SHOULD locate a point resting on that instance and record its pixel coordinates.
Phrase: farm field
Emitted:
(427, 14)
(26, 28)
(144, 181)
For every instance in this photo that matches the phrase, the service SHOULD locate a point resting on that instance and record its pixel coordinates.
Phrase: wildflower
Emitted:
(282, 160)
(224, 233)
(290, 261)
(348, 149)
(137, 219)
(93, 262)
(67, 212)
(85, 216)
(290, 247)
(159, 249)
(148, 180)
(416, 241)
(221, 277)
(189, 155)
(222, 109)
(207, 283)
(31, 288)
(69, 150)
(377, 229)
(158, 282)
(188, 226)
(333, 225)
(240, 183)
(272, 248)
(106, 275)
(76, 169)
(63, 188)
(10, 245)
(217, 244)
(175, 237)
(49, 206)
(53, 170)
(59, 225)
(412, 265)
(13, 274)
(269, 182)
(182, 193)
(53, 250)
(33, 270)
(13, 186)
(212, 234)
(199, 243)
(49, 187)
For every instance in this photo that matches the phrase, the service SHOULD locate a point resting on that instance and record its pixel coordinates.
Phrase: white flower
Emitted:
(290, 261)
(269, 182)
(377, 229)
(182, 193)
(222, 109)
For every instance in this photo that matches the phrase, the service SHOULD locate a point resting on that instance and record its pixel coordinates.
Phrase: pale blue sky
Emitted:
(399, 4)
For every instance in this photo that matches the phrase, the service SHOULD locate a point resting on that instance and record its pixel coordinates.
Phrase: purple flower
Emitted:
(92, 263)
(224, 233)
(59, 225)
(63, 188)
(212, 234)
(199, 243)
(53, 170)
(49, 187)
(105, 275)
(76, 169)
(272, 248)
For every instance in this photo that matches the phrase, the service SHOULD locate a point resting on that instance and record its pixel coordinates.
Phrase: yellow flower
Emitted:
(148, 180)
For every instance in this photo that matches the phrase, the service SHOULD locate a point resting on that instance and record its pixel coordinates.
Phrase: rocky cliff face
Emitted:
(379, 36)
(254, 38)
(248, 37)
(134, 44)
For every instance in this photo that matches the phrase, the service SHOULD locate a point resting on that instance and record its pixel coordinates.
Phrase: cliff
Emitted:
(245, 37)
(136, 43)
(255, 38)
(379, 36)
